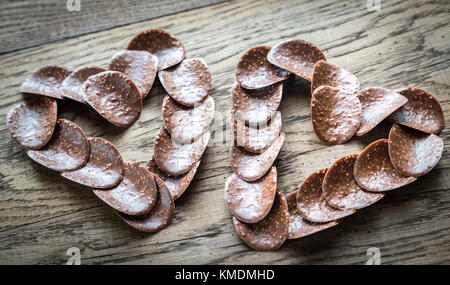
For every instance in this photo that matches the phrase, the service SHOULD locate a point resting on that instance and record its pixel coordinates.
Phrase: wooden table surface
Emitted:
(42, 214)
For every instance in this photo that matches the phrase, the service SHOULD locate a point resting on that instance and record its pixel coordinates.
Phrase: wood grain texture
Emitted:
(406, 43)
(50, 20)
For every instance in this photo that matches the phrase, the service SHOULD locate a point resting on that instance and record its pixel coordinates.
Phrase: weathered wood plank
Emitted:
(48, 21)
(41, 214)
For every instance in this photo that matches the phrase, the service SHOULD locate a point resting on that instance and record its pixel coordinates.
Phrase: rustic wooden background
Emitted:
(42, 214)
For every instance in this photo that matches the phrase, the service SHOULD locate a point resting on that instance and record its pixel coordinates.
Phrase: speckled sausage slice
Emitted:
(176, 184)
(46, 81)
(298, 226)
(31, 123)
(340, 188)
(335, 114)
(255, 107)
(140, 66)
(297, 56)
(374, 170)
(254, 71)
(168, 49)
(412, 152)
(114, 96)
(186, 124)
(72, 86)
(250, 202)
(311, 202)
(271, 232)
(175, 158)
(188, 83)
(257, 140)
(422, 111)
(160, 215)
(328, 74)
(377, 104)
(135, 195)
(250, 166)
(105, 168)
(68, 149)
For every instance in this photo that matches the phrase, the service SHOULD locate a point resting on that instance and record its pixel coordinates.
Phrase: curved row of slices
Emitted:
(262, 216)
(142, 195)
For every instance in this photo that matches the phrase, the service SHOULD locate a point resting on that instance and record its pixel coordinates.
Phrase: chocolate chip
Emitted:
(46, 81)
(72, 86)
(328, 74)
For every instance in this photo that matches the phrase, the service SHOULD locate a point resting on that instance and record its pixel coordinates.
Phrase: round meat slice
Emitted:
(297, 56)
(31, 123)
(377, 104)
(176, 184)
(271, 232)
(328, 74)
(335, 114)
(298, 226)
(250, 202)
(160, 215)
(188, 83)
(168, 49)
(374, 170)
(186, 124)
(72, 86)
(257, 140)
(422, 111)
(140, 66)
(105, 168)
(68, 149)
(254, 71)
(340, 188)
(255, 107)
(412, 152)
(46, 81)
(251, 166)
(175, 158)
(135, 195)
(114, 96)
(311, 202)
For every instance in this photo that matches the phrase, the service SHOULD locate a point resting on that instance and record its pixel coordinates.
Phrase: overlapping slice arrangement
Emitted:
(142, 195)
(339, 110)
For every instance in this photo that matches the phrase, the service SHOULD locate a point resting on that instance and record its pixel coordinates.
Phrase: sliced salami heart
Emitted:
(135, 195)
(377, 104)
(46, 81)
(72, 86)
(422, 111)
(311, 202)
(298, 226)
(254, 71)
(250, 202)
(140, 66)
(187, 124)
(374, 170)
(105, 168)
(328, 74)
(255, 107)
(257, 140)
(250, 166)
(160, 215)
(168, 49)
(297, 56)
(335, 114)
(176, 184)
(114, 96)
(68, 148)
(340, 188)
(175, 158)
(188, 83)
(412, 152)
(31, 123)
(271, 232)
